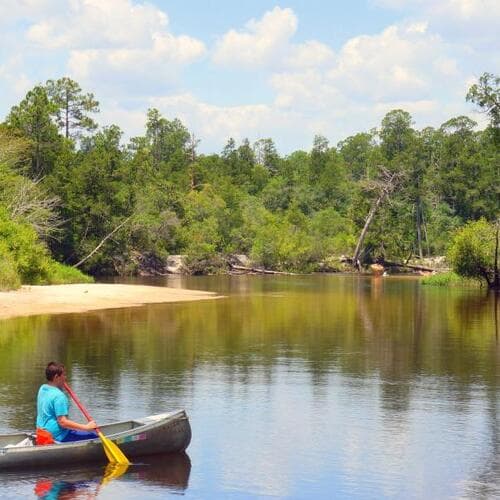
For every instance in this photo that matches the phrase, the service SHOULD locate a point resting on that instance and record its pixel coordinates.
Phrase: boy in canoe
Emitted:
(52, 420)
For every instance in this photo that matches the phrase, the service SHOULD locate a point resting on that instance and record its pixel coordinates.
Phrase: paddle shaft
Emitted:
(79, 404)
(114, 454)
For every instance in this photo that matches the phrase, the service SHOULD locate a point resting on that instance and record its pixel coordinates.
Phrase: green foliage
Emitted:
(139, 202)
(396, 133)
(472, 252)
(26, 260)
(360, 155)
(441, 226)
(30, 256)
(201, 234)
(267, 155)
(282, 245)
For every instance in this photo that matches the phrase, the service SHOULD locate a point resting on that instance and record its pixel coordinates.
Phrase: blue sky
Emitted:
(285, 70)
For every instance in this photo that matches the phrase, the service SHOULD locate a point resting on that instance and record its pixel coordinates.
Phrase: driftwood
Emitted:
(387, 263)
(410, 266)
(257, 270)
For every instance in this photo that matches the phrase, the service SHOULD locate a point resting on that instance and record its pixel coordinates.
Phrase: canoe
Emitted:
(163, 433)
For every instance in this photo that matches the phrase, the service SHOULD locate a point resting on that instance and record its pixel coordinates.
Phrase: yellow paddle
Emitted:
(113, 471)
(114, 454)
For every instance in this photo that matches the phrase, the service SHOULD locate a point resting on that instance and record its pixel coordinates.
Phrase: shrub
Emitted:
(9, 277)
(30, 256)
(449, 279)
(25, 259)
(472, 251)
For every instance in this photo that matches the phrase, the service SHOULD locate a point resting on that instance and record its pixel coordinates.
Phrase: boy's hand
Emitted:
(91, 425)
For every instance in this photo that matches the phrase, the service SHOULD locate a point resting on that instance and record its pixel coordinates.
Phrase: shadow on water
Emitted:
(168, 473)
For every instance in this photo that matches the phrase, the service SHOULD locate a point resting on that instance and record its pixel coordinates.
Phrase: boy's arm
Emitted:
(66, 423)
(61, 408)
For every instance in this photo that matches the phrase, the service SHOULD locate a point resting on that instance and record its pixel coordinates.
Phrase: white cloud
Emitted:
(211, 121)
(214, 124)
(12, 74)
(474, 21)
(318, 92)
(131, 121)
(309, 54)
(12, 10)
(99, 24)
(305, 90)
(118, 44)
(402, 63)
(126, 52)
(260, 43)
(159, 62)
(394, 64)
(267, 43)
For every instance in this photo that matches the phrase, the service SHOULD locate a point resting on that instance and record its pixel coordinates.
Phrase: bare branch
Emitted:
(117, 228)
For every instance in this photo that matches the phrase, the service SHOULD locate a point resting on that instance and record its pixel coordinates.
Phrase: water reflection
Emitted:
(386, 368)
(162, 473)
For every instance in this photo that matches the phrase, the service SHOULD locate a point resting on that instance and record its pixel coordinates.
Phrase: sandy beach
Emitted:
(54, 299)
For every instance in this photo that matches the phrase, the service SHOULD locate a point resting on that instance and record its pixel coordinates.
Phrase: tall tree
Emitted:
(319, 156)
(169, 141)
(396, 133)
(73, 106)
(267, 155)
(486, 94)
(360, 154)
(33, 119)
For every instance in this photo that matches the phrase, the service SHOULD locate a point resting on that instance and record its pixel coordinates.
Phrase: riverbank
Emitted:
(55, 299)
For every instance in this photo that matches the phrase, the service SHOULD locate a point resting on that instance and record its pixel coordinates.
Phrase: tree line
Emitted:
(91, 201)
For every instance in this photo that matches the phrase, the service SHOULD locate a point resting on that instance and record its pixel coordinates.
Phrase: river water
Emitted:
(296, 386)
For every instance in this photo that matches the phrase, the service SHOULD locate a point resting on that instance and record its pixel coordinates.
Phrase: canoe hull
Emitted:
(166, 433)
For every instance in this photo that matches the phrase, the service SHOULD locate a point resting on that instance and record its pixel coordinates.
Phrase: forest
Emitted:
(77, 199)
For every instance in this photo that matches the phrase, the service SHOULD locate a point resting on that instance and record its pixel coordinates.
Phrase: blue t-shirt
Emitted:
(52, 403)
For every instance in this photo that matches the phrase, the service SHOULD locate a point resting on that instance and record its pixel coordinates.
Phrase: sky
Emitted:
(287, 70)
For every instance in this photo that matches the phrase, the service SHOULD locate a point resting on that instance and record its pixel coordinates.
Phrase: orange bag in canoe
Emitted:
(44, 437)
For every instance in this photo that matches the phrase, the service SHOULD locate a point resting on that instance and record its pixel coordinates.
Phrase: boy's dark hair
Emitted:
(53, 369)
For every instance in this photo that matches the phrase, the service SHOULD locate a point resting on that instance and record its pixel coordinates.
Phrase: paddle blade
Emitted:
(113, 471)
(114, 454)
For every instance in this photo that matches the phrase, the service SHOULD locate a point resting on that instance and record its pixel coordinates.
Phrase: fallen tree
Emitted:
(386, 263)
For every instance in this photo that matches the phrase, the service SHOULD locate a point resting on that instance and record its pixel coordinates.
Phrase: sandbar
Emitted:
(56, 299)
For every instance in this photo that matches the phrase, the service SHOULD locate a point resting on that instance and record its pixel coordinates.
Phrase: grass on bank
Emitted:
(449, 279)
(59, 274)
(54, 273)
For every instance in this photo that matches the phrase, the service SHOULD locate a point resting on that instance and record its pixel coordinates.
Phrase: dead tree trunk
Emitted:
(78, 264)
(424, 226)
(388, 186)
(419, 228)
(496, 272)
